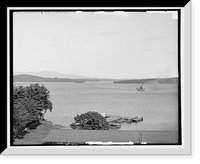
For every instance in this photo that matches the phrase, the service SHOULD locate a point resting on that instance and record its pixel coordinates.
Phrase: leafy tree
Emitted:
(90, 121)
(39, 94)
(29, 105)
(18, 93)
(20, 119)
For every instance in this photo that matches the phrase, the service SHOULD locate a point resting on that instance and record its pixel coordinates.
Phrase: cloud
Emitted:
(153, 38)
(173, 53)
(147, 50)
(54, 41)
(167, 72)
(108, 33)
(54, 45)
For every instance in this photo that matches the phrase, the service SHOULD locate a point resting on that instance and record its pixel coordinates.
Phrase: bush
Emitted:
(29, 105)
(90, 121)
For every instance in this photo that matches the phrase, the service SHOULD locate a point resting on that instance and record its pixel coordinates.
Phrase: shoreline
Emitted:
(42, 131)
(35, 136)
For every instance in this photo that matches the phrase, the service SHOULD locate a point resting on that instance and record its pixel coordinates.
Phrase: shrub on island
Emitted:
(90, 121)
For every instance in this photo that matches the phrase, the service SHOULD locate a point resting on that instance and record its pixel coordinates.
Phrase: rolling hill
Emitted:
(51, 74)
(31, 78)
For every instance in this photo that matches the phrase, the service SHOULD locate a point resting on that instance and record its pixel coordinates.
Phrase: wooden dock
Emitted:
(118, 120)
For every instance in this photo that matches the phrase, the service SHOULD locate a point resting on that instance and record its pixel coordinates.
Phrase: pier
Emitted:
(116, 121)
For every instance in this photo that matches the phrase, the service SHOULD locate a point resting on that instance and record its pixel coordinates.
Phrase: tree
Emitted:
(90, 121)
(41, 95)
(29, 105)
(20, 119)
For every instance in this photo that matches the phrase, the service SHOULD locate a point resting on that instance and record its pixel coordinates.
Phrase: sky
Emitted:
(97, 44)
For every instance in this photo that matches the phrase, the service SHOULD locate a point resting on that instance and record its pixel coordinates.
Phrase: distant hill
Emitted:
(173, 80)
(51, 74)
(31, 78)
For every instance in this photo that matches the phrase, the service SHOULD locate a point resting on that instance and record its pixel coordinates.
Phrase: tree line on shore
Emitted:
(29, 105)
(172, 80)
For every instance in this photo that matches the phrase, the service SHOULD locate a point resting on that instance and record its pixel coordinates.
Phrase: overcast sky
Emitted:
(105, 45)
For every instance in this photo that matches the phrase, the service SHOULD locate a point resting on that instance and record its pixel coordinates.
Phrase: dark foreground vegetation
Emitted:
(90, 121)
(29, 105)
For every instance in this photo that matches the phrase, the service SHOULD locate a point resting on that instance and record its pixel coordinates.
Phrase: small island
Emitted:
(79, 82)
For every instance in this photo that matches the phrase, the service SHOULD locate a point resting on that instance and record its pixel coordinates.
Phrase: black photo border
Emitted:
(95, 10)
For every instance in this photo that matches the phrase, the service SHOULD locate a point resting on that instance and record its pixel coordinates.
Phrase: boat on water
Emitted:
(141, 88)
(115, 125)
(118, 120)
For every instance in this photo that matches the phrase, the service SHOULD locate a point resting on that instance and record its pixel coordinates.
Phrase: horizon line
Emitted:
(84, 77)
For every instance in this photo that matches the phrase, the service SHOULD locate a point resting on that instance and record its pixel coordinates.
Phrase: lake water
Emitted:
(158, 104)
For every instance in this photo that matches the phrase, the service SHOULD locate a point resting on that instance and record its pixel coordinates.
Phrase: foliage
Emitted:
(29, 105)
(41, 95)
(90, 121)
(20, 118)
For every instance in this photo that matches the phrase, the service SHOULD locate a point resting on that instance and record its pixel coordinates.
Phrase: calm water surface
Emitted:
(158, 105)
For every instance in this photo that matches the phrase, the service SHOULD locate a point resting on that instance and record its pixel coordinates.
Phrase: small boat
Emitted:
(136, 119)
(141, 88)
(115, 125)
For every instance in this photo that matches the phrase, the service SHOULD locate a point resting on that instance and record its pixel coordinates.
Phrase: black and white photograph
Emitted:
(96, 77)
